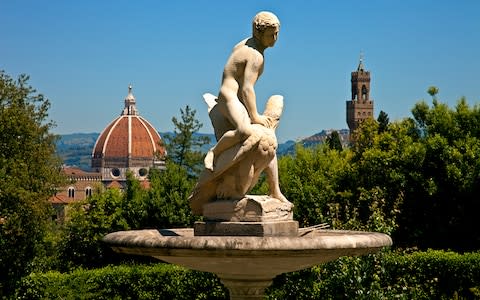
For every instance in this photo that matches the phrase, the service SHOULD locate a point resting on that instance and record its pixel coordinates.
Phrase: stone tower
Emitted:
(361, 106)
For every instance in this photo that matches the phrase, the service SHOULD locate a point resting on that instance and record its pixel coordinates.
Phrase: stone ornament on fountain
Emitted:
(220, 194)
(246, 147)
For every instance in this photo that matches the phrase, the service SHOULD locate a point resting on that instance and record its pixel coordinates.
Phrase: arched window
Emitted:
(71, 192)
(88, 191)
(364, 93)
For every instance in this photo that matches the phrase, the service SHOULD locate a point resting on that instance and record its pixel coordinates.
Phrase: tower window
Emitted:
(88, 191)
(364, 93)
(71, 192)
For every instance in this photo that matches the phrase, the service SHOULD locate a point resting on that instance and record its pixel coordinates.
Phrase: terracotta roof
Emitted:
(60, 199)
(145, 184)
(114, 185)
(127, 138)
(76, 173)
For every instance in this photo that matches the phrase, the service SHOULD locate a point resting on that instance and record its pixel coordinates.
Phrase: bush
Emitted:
(388, 275)
(156, 281)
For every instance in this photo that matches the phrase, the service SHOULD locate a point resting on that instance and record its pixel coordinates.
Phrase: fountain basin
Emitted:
(246, 260)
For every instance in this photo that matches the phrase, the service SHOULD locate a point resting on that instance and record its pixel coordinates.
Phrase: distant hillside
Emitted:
(288, 147)
(76, 149)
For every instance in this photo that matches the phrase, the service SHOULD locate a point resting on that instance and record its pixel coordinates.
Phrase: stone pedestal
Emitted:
(281, 228)
(249, 216)
(251, 208)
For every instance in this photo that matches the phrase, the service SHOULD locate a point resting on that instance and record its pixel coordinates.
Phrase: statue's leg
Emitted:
(273, 182)
(237, 115)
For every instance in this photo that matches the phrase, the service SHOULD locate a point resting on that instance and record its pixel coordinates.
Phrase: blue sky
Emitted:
(83, 55)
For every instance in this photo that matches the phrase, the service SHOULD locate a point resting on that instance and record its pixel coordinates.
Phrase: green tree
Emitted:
(163, 205)
(184, 145)
(333, 141)
(433, 91)
(29, 173)
(135, 203)
(309, 179)
(384, 166)
(383, 121)
(167, 200)
(89, 221)
(451, 184)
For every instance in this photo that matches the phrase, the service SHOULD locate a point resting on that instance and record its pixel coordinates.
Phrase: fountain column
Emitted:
(242, 288)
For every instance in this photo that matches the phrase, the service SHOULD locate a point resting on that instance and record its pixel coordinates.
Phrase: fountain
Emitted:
(245, 240)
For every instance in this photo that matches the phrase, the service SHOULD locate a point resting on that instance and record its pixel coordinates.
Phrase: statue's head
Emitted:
(266, 27)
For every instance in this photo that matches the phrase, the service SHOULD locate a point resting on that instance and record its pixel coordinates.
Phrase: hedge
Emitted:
(154, 281)
(432, 274)
(387, 275)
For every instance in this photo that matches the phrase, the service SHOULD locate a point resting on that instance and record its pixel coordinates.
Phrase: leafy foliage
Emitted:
(159, 281)
(89, 222)
(167, 199)
(310, 179)
(163, 205)
(383, 121)
(446, 203)
(387, 275)
(29, 173)
(183, 146)
(333, 141)
(417, 179)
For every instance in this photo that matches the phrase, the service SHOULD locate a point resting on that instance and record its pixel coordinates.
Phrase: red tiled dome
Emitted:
(128, 141)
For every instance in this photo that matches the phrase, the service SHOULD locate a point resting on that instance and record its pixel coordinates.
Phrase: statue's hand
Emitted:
(263, 120)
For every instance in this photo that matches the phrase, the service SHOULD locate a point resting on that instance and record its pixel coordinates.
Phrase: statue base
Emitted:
(280, 228)
(249, 216)
(251, 208)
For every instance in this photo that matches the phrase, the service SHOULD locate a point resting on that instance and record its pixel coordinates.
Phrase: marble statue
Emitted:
(246, 140)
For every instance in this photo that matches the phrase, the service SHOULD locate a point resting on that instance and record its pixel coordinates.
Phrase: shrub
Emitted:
(156, 281)
(388, 275)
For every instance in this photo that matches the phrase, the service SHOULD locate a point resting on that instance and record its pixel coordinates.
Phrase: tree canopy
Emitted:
(29, 174)
(184, 145)
(417, 179)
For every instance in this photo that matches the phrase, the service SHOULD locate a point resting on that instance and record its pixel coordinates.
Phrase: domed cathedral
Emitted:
(361, 106)
(128, 143)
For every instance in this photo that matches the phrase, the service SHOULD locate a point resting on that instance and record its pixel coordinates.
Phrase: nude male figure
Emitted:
(237, 100)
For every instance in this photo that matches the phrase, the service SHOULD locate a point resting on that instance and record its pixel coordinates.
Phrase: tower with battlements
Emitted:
(360, 107)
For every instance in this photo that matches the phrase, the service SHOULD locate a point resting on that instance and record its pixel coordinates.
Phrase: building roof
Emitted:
(114, 185)
(127, 139)
(60, 199)
(77, 173)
